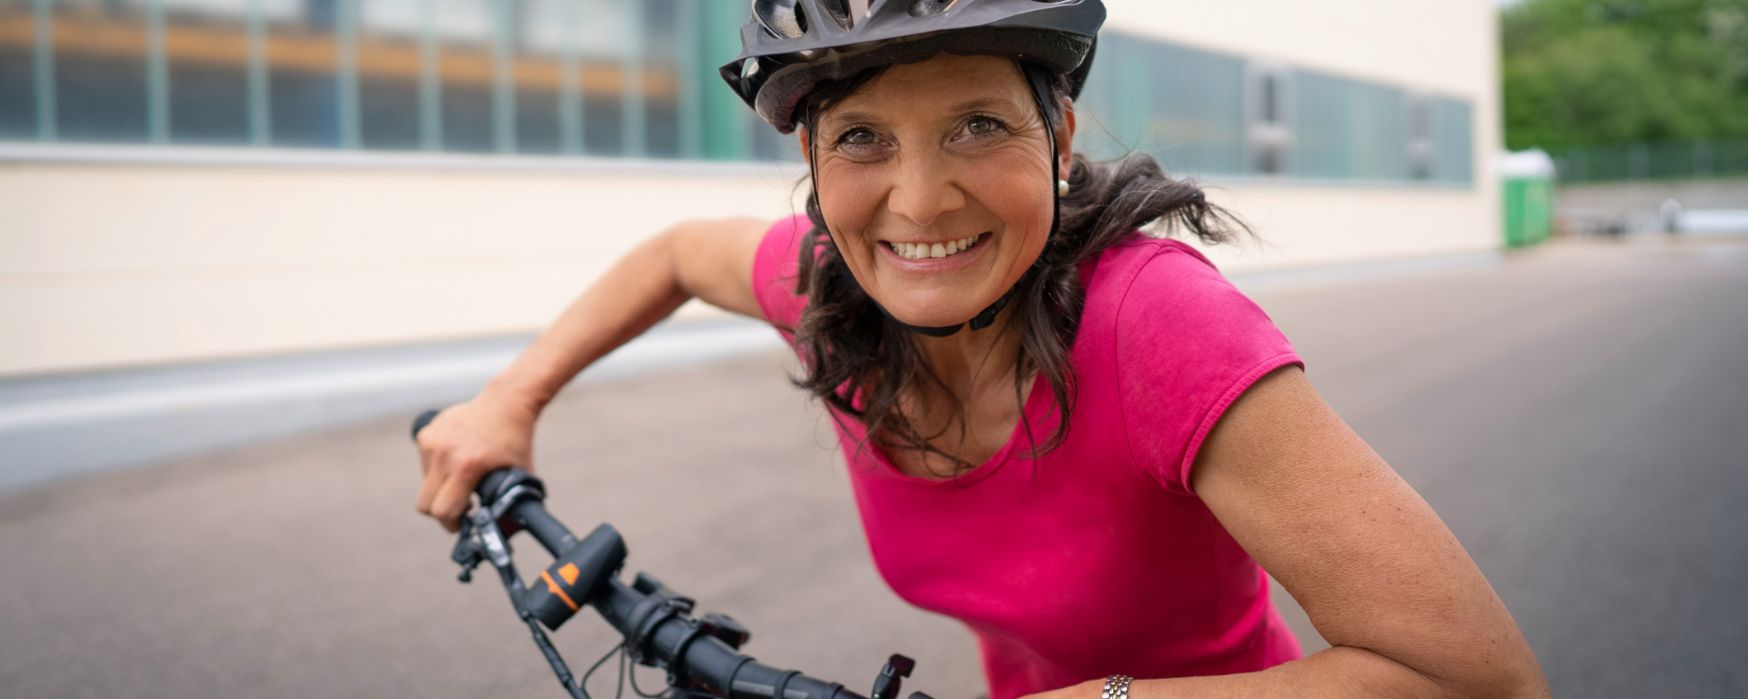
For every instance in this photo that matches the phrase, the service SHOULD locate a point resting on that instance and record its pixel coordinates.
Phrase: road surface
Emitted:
(1577, 413)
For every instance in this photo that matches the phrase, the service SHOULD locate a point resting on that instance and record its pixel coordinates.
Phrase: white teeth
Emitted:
(918, 251)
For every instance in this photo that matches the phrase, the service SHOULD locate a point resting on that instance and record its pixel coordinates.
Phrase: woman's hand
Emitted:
(467, 441)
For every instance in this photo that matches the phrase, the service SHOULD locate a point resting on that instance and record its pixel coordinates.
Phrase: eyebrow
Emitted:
(966, 106)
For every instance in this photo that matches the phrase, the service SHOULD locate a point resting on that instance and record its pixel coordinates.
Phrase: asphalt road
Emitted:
(1578, 414)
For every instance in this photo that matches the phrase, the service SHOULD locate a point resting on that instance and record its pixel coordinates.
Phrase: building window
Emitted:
(1269, 135)
(1453, 138)
(622, 78)
(1420, 145)
(1182, 105)
(18, 70)
(99, 76)
(392, 55)
(302, 55)
(1347, 129)
(207, 74)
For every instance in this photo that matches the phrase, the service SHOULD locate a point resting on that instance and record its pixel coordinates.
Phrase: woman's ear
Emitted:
(802, 137)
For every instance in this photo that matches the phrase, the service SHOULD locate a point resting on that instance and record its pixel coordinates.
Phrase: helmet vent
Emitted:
(924, 8)
(839, 11)
(782, 19)
(858, 10)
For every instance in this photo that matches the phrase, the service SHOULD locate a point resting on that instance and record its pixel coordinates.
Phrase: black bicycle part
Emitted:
(700, 656)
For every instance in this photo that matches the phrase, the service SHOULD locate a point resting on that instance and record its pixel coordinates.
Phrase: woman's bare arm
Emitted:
(708, 260)
(1406, 610)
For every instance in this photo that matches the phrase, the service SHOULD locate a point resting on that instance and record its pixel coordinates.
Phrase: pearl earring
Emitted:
(1062, 188)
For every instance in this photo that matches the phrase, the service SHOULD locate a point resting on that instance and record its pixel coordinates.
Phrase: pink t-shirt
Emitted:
(1096, 558)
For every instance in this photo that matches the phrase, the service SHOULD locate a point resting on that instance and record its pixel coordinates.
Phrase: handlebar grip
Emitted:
(422, 420)
(489, 484)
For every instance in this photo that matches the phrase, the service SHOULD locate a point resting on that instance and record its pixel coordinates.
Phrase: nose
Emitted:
(924, 190)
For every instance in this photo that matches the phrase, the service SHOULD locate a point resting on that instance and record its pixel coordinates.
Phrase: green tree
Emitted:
(1589, 72)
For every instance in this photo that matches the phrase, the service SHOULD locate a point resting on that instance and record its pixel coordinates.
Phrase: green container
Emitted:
(1529, 197)
(1529, 210)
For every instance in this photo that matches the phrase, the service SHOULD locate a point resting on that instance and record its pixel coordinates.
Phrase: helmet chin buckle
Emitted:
(984, 319)
(978, 322)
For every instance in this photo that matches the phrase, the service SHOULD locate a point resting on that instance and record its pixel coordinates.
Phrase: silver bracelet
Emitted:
(1116, 687)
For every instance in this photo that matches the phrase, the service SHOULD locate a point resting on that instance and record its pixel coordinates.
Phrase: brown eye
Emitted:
(858, 136)
(981, 125)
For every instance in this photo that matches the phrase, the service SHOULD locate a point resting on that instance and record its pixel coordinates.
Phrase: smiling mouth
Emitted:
(923, 251)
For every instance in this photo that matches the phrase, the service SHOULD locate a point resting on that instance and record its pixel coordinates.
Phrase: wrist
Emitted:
(1115, 687)
(503, 391)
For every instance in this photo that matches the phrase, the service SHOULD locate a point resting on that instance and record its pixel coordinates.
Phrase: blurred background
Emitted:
(242, 242)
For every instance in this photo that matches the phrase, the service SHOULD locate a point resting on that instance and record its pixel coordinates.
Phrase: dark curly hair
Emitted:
(853, 353)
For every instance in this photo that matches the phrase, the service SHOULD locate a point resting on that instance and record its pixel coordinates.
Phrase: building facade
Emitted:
(194, 179)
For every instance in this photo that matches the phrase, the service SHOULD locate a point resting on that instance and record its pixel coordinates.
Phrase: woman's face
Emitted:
(935, 183)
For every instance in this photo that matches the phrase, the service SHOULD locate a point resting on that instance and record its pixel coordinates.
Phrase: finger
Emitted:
(451, 501)
(428, 492)
(425, 441)
(427, 457)
(430, 464)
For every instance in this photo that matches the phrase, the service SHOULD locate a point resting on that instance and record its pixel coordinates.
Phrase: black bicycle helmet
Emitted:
(790, 46)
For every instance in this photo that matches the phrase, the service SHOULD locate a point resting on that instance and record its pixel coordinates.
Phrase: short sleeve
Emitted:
(1188, 344)
(775, 269)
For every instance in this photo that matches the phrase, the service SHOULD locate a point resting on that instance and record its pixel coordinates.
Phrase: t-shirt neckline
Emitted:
(1028, 413)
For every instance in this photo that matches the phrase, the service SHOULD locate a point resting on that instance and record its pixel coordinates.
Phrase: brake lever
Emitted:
(466, 553)
(479, 540)
(887, 683)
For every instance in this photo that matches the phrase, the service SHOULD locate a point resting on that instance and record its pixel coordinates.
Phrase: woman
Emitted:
(1078, 439)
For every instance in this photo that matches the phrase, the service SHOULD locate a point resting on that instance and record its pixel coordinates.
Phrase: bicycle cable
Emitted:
(583, 683)
(640, 691)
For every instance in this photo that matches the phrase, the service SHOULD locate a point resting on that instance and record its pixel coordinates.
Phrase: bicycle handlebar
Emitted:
(700, 656)
(673, 641)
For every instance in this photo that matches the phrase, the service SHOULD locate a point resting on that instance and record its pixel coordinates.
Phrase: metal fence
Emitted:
(1673, 160)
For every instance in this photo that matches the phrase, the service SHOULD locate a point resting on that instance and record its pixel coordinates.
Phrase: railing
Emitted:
(1672, 160)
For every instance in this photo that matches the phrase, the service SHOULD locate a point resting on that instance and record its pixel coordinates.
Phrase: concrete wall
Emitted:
(126, 264)
(1307, 225)
(127, 257)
